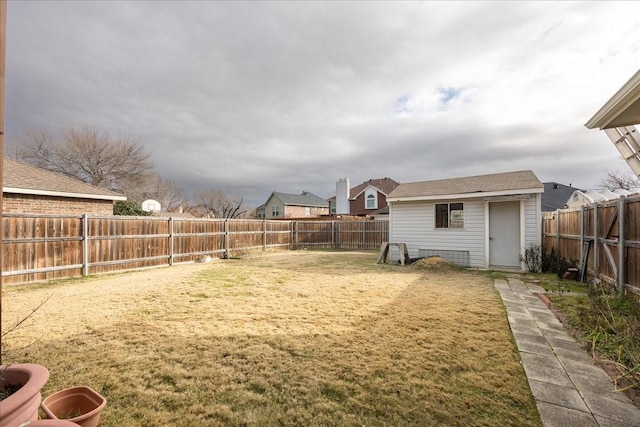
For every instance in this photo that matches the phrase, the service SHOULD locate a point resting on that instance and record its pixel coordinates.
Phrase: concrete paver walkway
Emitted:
(569, 389)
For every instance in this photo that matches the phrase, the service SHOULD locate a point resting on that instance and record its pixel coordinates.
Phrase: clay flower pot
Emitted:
(80, 405)
(49, 423)
(22, 405)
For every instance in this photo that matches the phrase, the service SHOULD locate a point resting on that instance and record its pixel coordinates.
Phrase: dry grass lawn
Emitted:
(286, 338)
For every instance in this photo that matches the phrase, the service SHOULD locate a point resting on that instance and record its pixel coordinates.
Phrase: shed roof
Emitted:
(21, 178)
(507, 183)
(623, 109)
(303, 199)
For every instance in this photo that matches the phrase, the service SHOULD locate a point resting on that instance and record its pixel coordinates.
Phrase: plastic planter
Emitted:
(23, 404)
(80, 405)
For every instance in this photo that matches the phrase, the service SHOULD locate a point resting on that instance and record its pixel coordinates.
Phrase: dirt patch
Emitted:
(436, 264)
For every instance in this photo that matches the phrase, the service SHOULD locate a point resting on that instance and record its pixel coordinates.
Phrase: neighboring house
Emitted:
(555, 196)
(366, 199)
(284, 205)
(485, 221)
(259, 212)
(28, 189)
(586, 197)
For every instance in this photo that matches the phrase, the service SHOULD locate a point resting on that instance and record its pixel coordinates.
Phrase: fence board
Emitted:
(40, 247)
(562, 232)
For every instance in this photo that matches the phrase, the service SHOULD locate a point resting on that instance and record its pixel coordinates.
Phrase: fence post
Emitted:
(264, 238)
(364, 234)
(85, 245)
(622, 259)
(294, 238)
(170, 240)
(226, 238)
(596, 241)
(333, 235)
(582, 254)
(558, 233)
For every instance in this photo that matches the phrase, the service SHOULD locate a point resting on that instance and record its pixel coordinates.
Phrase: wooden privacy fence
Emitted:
(602, 238)
(39, 247)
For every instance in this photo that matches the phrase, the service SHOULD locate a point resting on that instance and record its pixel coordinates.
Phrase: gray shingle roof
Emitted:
(508, 181)
(21, 178)
(555, 196)
(304, 199)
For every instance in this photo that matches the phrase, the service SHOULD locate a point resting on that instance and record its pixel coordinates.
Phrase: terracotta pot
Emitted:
(22, 405)
(49, 423)
(80, 405)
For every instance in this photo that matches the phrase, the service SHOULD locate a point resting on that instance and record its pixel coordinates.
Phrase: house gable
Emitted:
(273, 207)
(379, 188)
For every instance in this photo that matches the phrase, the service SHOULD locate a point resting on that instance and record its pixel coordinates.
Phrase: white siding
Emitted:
(413, 223)
(533, 220)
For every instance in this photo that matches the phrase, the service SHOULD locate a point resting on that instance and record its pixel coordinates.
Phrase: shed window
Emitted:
(449, 215)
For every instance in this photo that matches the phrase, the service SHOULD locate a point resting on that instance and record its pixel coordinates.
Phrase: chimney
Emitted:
(342, 196)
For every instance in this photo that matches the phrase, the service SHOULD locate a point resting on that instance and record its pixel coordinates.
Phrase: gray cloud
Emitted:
(254, 97)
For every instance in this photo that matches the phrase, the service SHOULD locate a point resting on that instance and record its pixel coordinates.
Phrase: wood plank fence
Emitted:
(603, 239)
(41, 247)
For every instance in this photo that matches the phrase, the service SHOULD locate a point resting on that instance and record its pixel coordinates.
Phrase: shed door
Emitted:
(504, 234)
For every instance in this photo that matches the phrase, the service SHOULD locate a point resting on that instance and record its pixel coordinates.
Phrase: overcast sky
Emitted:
(250, 98)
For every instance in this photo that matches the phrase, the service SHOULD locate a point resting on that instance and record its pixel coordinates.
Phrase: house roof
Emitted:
(303, 199)
(383, 185)
(555, 196)
(498, 184)
(382, 211)
(623, 109)
(20, 178)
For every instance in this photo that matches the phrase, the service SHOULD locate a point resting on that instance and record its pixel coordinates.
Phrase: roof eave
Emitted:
(14, 190)
(306, 205)
(623, 109)
(477, 195)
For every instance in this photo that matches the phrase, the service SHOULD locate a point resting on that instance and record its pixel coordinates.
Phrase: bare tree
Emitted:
(214, 204)
(616, 180)
(170, 195)
(90, 155)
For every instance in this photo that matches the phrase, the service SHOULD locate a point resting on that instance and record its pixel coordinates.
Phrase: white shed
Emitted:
(485, 221)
